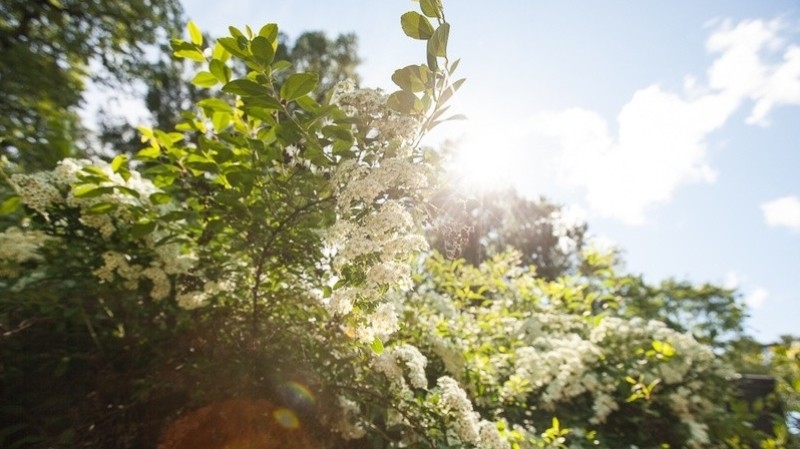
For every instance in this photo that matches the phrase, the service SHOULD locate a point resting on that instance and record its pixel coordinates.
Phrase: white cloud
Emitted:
(661, 142)
(732, 280)
(756, 298)
(784, 211)
(746, 70)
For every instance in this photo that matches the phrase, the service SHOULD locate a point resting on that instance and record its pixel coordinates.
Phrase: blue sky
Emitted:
(671, 126)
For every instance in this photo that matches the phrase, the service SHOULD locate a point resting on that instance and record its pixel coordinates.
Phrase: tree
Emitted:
(480, 226)
(169, 90)
(50, 48)
(256, 250)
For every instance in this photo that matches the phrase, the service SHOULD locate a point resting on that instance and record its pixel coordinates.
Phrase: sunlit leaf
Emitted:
(205, 79)
(416, 26)
(299, 84)
(194, 33)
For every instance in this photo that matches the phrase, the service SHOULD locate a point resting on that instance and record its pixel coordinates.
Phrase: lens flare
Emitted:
(286, 418)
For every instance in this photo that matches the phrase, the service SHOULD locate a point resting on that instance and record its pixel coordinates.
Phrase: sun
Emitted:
(481, 164)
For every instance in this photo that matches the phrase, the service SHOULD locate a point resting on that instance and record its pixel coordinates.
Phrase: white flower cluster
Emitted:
(519, 348)
(369, 107)
(400, 361)
(18, 246)
(455, 403)
(63, 186)
(345, 422)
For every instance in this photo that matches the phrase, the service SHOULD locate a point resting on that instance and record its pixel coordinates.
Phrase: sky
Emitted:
(672, 127)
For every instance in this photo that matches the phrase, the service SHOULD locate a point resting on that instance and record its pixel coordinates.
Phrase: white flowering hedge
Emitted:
(267, 247)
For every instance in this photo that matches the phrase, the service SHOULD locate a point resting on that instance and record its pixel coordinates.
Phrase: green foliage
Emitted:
(46, 49)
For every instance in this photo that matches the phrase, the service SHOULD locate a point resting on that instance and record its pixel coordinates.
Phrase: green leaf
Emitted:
(142, 228)
(437, 44)
(214, 104)
(232, 46)
(90, 190)
(10, 205)
(270, 31)
(245, 88)
(431, 8)
(149, 153)
(298, 85)
(404, 102)
(414, 78)
(205, 79)
(160, 198)
(377, 346)
(416, 26)
(262, 50)
(101, 208)
(221, 120)
(118, 162)
(220, 53)
(220, 70)
(194, 33)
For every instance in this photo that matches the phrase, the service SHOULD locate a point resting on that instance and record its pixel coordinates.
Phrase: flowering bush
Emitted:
(266, 253)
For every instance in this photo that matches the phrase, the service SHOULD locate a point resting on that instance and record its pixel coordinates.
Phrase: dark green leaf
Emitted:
(416, 26)
(214, 104)
(142, 228)
(160, 198)
(298, 85)
(232, 45)
(263, 51)
(219, 70)
(245, 88)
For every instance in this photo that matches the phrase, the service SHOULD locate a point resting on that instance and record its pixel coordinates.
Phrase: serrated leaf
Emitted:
(298, 85)
(194, 33)
(416, 26)
(245, 88)
(10, 205)
(205, 79)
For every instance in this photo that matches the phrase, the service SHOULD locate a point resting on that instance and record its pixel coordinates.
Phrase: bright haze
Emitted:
(674, 126)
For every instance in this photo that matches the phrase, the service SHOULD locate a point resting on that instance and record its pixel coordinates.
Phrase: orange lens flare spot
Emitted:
(286, 418)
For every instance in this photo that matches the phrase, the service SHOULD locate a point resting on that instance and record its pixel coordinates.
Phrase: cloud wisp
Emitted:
(661, 143)
(782, 212)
